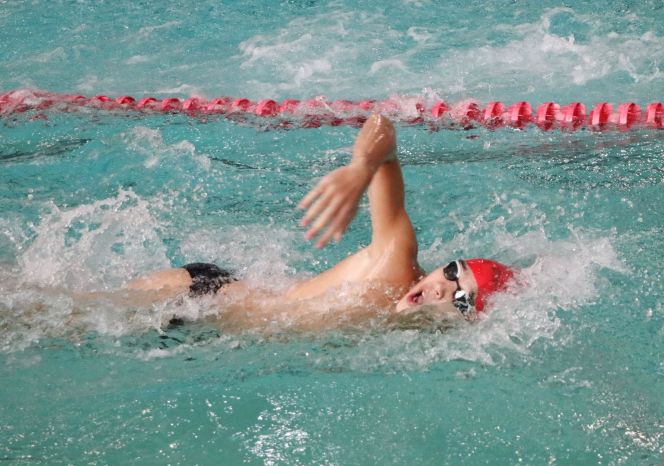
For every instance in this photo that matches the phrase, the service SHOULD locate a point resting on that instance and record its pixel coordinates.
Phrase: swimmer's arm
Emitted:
(332, 204)
(389, 219)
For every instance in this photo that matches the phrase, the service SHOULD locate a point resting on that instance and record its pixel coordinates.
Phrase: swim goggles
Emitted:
(462, 300)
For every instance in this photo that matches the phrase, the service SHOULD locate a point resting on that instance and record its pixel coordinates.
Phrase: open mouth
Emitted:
(416, 298)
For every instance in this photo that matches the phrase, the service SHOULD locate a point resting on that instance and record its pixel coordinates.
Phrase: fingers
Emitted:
(318, 206)
(331, 205)
(336, 228)
(323, 240)
(327, 215)
(334, 219)
(311, 195)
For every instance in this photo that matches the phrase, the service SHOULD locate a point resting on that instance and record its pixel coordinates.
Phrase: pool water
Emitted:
(567, 369)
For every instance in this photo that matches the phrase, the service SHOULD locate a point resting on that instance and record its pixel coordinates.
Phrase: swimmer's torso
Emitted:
(359, 288)
(393, 267)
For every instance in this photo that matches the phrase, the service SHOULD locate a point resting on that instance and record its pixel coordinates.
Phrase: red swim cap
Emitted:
(491, 276)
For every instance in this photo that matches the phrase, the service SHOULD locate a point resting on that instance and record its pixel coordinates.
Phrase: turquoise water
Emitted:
(567, 370)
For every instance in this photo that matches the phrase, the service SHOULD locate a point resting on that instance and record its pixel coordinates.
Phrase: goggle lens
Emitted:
(461, 299)
(451, 271)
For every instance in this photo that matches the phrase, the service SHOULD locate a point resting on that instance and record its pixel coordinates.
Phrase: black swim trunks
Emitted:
(206, 278)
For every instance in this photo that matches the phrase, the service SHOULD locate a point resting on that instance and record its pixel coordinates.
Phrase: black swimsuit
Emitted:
(206, 278)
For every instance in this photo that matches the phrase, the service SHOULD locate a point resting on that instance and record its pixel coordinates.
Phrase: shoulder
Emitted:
(393, 261)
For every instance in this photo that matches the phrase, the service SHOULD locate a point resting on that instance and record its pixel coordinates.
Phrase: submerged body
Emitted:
(382, 280)
(240, 306)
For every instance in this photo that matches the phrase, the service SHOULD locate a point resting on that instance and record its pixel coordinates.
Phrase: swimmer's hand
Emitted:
(332, 204)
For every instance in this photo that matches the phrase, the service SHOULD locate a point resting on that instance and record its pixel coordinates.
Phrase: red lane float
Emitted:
(655, 115)
(600, 115)
(318, 111)
(493, 115)
(573, 116)
(546, 115)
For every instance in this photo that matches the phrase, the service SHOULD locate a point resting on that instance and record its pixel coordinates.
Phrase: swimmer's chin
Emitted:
(412, 303)
(428, 317)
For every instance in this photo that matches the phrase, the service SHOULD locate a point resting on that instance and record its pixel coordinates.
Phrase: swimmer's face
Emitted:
(436, 288)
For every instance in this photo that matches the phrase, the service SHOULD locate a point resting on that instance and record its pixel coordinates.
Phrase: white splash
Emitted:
(57, 53)
(147, 31)
(257, 253)
(150, 143)
(93, 246)
(135, 59)
(554, 276)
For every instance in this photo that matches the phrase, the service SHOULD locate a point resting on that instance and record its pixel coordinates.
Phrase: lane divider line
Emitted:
(318, 111)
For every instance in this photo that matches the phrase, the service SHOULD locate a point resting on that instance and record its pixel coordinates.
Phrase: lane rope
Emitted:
(318, 111)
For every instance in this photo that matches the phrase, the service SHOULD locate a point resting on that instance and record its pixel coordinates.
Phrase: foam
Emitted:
(149, 142)
(419, 34)
(185, 89)
(297, 60)
(147, 31)
(28, 314)
(302, 60)
(57, 53)
(332, 49)
(387, 65)
(544, 53)
(89, 83)
(135, 59)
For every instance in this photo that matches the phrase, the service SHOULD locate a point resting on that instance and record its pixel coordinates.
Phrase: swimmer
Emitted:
(382, 279)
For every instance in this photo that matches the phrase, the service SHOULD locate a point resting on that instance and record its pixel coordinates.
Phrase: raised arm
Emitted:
(332, 203)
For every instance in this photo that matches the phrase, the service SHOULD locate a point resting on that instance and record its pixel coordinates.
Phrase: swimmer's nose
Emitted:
(438, 291)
